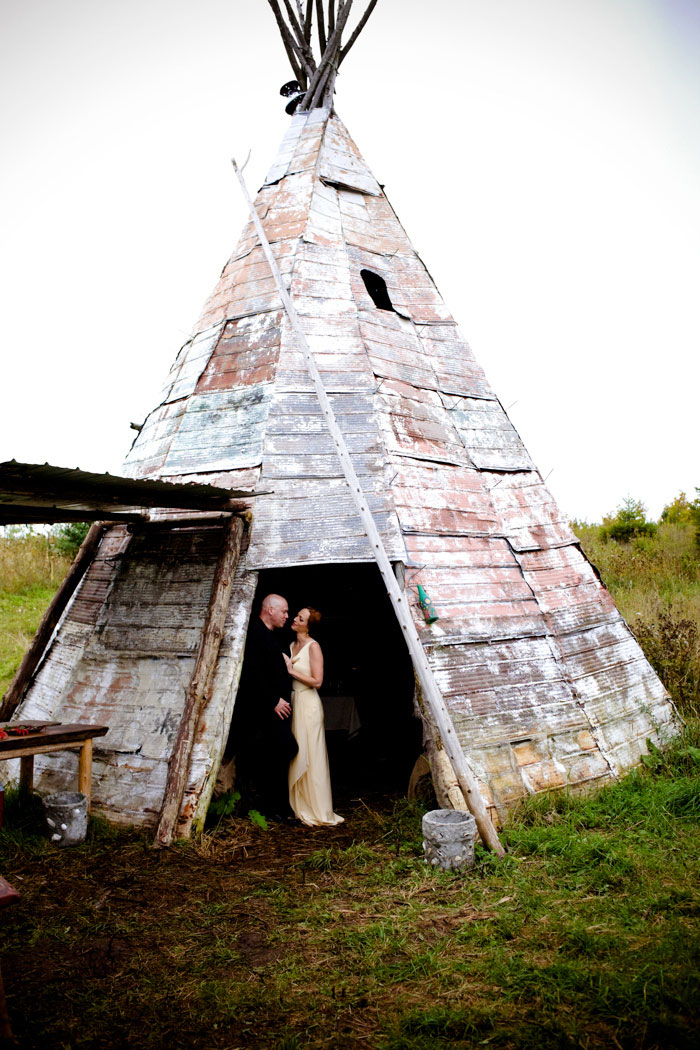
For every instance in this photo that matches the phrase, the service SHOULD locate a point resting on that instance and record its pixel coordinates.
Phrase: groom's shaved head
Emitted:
(273, 601)
(274, 611)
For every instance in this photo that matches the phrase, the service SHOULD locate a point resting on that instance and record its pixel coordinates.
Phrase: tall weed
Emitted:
(31, 560)
(655, 581)
(31, 569)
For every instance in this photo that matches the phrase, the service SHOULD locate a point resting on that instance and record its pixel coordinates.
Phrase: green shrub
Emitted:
(629, 522)
(70, 536)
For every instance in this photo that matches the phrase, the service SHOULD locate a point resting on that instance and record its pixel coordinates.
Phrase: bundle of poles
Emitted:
(317, 79)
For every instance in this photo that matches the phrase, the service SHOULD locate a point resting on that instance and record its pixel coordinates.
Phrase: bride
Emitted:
(309, 776)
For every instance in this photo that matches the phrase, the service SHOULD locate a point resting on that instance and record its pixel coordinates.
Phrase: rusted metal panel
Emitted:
(317, 466)
(418, 294)
(190, 363)
(323, 222)
(394, 349)
(221, 430)
(531, 518)
(228, 299)
(246, 353)
(149, 451)
(330, 501)
(299, 148)
(438, 499)
(281, 534)
(381, 239)
(456, 369)
(489, 436)
(459, 551)
(340, 162)
(416, 423)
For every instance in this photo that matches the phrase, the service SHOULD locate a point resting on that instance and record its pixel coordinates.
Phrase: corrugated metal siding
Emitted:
(340, 161)
(456, 369)
(190, 363)
(543, 679)
(221, 430)
(300, 463)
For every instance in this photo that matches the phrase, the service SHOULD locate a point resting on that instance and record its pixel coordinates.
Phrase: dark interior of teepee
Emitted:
(366, 664)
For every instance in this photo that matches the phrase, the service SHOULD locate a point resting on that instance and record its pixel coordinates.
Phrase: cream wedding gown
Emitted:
(309, 776)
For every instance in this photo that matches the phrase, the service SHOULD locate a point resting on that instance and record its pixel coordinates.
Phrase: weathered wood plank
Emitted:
(200, 684)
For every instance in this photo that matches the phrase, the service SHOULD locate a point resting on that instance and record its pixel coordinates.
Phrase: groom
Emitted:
(261, 730)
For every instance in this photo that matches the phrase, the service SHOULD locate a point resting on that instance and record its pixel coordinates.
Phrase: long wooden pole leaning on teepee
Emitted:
(431, 692)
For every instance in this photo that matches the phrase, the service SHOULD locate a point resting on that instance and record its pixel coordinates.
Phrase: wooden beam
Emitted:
(41, 639)
(358, 29)
(287, 41)
(321, 26)
(328, 65)
(308, 19)
(424, 673)
(199, 689)
(305, 51)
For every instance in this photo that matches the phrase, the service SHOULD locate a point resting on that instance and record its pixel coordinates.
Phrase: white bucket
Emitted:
(448, 838)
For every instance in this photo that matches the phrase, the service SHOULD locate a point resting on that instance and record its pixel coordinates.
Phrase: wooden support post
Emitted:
(200, 683)
(26, 774)
(41, 639)
(360, 26)
(321, 25)
(424, 673)
(85, 770)
(300, 67)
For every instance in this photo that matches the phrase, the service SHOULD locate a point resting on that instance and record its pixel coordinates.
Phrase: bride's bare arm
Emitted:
(315, 679)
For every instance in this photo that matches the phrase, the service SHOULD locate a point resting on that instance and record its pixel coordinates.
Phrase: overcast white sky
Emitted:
(543, 156)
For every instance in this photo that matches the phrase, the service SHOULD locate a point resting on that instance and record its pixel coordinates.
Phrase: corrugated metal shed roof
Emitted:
(40, 493)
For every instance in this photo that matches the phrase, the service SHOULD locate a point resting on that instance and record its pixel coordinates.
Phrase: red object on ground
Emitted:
(8, 894)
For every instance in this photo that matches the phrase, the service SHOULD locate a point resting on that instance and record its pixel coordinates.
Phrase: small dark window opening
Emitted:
(376, 286)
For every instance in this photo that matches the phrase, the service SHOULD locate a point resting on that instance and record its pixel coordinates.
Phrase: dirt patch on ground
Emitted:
(102, 932)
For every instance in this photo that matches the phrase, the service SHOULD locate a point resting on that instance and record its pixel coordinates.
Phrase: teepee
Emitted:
(327, 377)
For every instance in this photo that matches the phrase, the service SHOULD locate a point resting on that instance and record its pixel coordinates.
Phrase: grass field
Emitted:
(585, 936)
(30, 570)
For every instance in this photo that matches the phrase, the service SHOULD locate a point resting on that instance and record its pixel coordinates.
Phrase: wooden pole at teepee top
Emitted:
(431, 692)
(360, 26)
(317, 79)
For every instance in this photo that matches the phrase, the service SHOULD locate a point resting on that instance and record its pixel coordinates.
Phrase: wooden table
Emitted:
(52, 736)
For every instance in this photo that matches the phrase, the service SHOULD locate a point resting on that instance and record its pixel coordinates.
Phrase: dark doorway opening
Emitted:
(366, 662)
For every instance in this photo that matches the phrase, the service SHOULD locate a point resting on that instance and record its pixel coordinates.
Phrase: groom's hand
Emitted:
(283, 709)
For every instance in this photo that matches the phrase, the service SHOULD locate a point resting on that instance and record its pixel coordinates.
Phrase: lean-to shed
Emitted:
(542, 680)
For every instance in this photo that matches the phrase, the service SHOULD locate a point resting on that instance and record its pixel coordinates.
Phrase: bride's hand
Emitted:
(288, 662)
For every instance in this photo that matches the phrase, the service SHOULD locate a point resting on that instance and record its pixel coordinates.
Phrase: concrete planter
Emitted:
(66, 815)
(448, 838)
